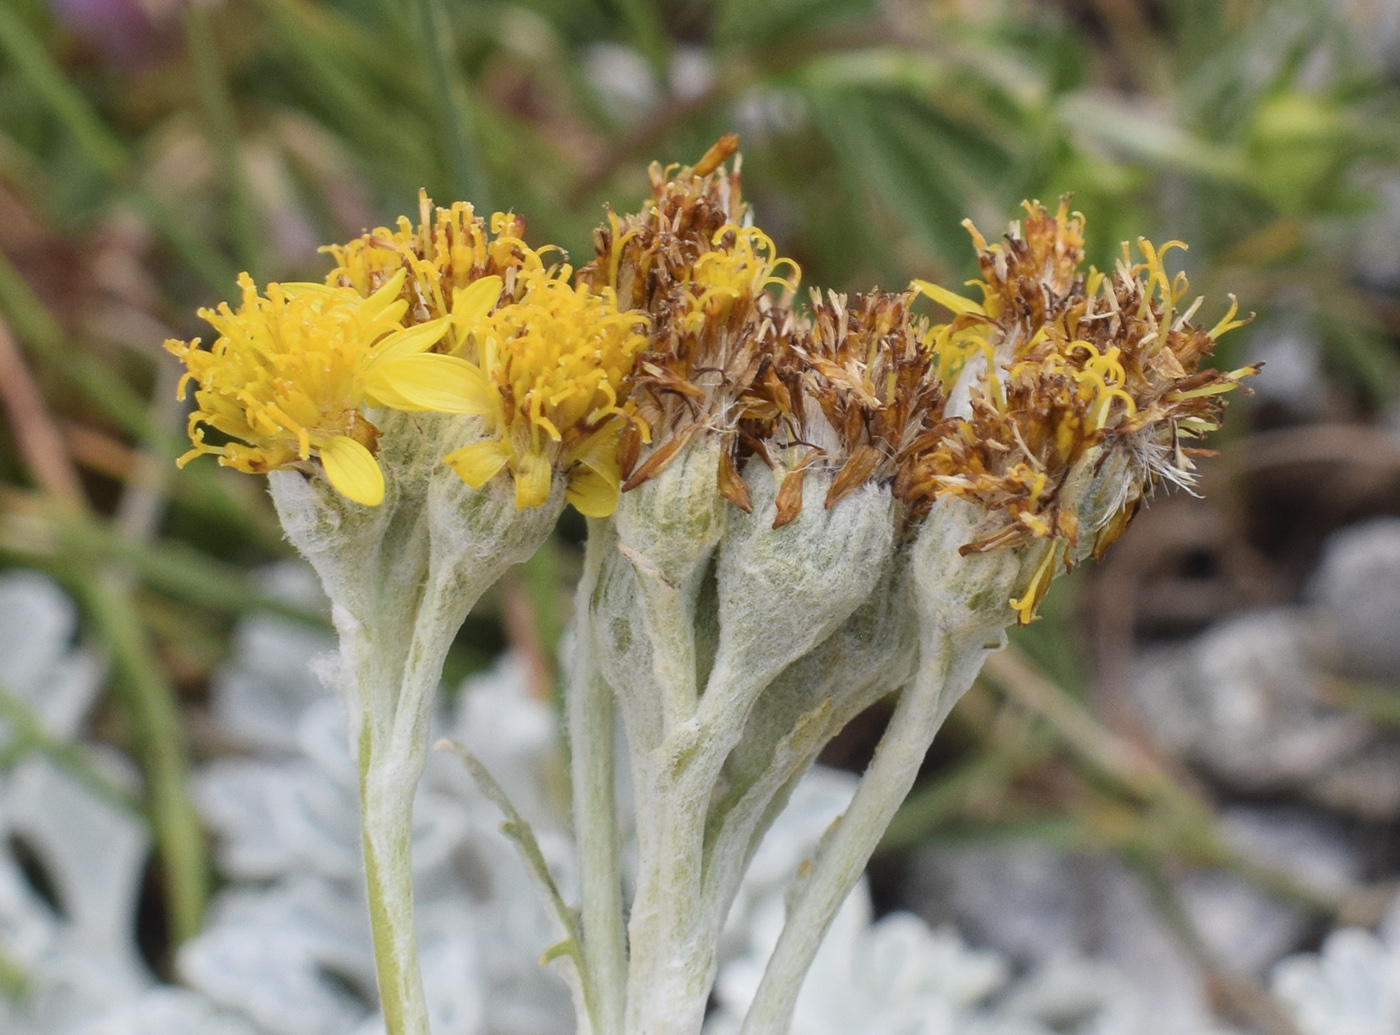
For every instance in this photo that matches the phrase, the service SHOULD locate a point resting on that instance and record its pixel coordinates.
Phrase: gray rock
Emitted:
(1355, 598)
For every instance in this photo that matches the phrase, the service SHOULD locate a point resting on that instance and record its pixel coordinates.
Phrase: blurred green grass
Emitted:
(150, 150)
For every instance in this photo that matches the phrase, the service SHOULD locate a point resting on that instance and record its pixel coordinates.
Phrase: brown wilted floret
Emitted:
(702, 277)
(851, 392)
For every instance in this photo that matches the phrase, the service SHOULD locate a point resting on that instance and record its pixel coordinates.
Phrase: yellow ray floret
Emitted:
(547, 376)
(291, 372)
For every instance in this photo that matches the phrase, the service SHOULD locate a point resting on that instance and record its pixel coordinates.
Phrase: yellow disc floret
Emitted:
(448, 250)
(743, 266)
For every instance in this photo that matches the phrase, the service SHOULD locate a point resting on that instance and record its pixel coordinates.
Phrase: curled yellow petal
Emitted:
(444, 384)
(475, 301)
(353, 470)
(479, 462)
(948, 299)
(410, 341)
(387, 295)
(534, 476)
(296, 288)
(592, 493)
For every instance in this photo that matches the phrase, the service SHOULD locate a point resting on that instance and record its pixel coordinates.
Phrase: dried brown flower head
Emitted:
(1056, 368)
(851, 392)
(703, 277)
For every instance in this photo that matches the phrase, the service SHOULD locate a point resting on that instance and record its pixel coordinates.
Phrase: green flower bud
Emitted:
(782, 591)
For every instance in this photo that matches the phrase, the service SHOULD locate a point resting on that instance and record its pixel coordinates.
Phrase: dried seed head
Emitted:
(703, 277)
(849, 394)
(1054, 373)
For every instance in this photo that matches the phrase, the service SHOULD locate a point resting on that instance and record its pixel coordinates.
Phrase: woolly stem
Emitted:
(946, 671)
(592, 733)
(393, 748)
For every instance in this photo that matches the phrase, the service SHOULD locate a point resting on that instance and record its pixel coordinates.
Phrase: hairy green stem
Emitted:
(670, 620)
(393, 748)
(592, 737)
(947, 669)
(386, 818)
(671, 969)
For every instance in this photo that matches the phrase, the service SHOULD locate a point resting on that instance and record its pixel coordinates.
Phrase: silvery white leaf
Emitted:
(67, 987)
(37, 659)
(1068, 916)
(268, 951)
(896, 976)
(321, 735)
(294, 958)
(259, 696)
(1352, 987)
(165, 1011)
(816, 801)
(275, 819)
(92, 851)
(27, 925)
(302, 815)
(516, 737)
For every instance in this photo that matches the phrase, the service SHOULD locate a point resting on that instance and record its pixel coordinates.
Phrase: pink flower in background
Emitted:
(121, 31)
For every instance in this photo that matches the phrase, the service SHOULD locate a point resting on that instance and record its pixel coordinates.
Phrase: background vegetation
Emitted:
(149, 150)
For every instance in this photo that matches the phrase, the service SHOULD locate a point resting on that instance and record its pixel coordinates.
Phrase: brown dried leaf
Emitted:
(731, 486)
(656, 463)
(790, 496)
(629, 448)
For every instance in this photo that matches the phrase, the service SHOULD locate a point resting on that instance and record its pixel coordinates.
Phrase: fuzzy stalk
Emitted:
(947, 668)
(393, 749)
(672, 964)
(386, 821)
(592, 724)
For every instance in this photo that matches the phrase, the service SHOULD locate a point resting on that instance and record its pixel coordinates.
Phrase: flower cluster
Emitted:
(552, 373)
(809, 508)
(1057, 373)
(702, 275)
(684, 326)
(290, 376)
(448, 250)
(442, 318)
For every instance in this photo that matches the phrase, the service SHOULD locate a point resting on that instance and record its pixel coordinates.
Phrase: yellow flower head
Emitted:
(290, 374)
(449, 250)
(548, 376)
